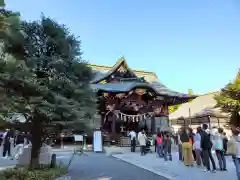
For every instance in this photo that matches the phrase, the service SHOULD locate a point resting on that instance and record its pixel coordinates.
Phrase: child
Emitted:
(159, 142)
(167, 145)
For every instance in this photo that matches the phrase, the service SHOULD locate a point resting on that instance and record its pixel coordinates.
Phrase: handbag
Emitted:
(218, 145)
(231, 147)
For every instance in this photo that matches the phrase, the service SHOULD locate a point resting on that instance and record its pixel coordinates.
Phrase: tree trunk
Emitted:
(37, 133)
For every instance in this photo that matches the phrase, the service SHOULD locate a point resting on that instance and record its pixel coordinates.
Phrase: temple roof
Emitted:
(128, 86)
(202, 106)
(104, 71)
(152, 82)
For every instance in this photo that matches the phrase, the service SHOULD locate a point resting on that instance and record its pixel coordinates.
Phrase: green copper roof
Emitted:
(128, 86)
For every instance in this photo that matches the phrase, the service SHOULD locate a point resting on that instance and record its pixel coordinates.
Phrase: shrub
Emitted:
(38, 174)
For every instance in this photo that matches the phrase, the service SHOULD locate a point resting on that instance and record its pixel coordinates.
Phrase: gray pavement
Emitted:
(175, 170)
(92, 166)
(100, 167)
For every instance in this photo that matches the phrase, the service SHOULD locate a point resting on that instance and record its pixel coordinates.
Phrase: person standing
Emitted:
(179, 143)
(191, 138)
(133, 135)
(186, 148)
(225, 142)
(218, 146)
(234, 149)
(206, 146)
(1, 139)
(197, 146)
(159, 143)
(142, 139)
(28, 138)
(167, 147)
(19, 144)
(7, 144)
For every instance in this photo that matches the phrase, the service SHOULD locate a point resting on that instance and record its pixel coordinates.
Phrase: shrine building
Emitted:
(131, 100)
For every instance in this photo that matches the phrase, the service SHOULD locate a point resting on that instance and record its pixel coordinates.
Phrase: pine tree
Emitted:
(46, 81)
(228, 99)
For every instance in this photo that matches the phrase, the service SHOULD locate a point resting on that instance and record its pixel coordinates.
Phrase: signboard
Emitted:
(97, 141)
(78, 138)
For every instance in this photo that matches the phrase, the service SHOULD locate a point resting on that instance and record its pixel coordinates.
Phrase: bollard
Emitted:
(53, 161)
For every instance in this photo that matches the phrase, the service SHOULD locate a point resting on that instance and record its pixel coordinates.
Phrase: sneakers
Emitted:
(223, 169)
(206, 170)
(213, 171)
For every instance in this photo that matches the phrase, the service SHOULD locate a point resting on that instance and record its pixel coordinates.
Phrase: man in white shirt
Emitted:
(142, 138)
(133, 135)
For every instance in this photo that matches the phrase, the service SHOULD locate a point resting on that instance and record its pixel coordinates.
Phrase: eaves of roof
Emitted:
(128, 86)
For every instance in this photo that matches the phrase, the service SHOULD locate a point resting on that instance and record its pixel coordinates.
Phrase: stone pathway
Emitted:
(175, 170)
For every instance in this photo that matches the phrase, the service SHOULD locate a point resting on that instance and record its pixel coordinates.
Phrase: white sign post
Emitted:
(97, 141)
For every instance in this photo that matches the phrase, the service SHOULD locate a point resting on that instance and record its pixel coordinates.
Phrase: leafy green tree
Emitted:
(2, 3)
(190, 92)
(228, 99)
(46, 81)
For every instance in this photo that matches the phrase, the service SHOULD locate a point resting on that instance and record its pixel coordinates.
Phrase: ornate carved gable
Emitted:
(122, 72)
(104, 72)
(118, 72)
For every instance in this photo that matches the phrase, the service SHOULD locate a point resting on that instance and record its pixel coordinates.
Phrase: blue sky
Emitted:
(188, 44)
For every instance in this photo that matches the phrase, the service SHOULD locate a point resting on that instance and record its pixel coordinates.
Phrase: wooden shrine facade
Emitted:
(129, 101)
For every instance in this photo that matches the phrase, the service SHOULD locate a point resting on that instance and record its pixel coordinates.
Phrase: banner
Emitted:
(97, 141)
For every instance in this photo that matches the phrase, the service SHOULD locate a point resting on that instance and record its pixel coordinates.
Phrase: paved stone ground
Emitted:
(92, 166)
(100, 167)
(175, 170)
(5, 163)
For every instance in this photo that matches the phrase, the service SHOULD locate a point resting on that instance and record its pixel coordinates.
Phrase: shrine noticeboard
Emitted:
(78, 138)
(97, 141)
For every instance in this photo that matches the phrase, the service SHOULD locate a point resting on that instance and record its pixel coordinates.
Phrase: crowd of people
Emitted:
(12, 144)
(163, 139)
(198, 147)
(195, 148)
